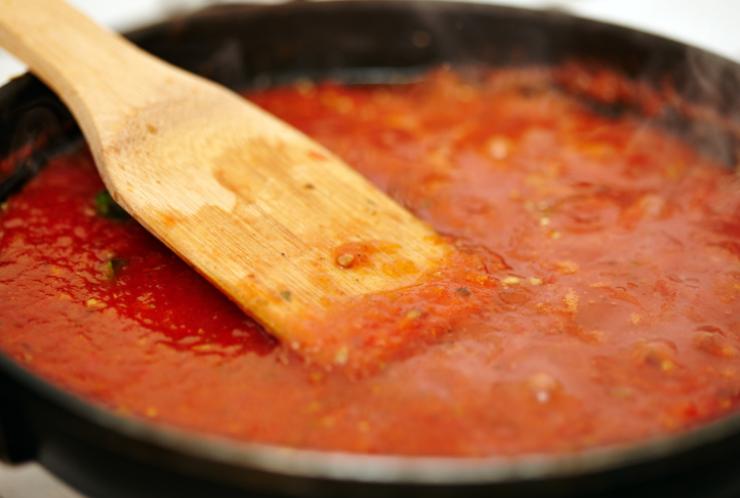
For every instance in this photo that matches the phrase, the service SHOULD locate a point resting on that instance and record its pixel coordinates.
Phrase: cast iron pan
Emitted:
(104, 454)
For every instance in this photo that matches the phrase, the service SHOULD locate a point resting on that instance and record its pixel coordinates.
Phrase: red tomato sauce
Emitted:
(594, 296)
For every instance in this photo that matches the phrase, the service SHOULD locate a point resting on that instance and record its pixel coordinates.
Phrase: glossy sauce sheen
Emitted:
(594, 296)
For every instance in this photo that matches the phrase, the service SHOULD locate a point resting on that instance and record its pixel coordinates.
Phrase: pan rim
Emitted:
(382, 469)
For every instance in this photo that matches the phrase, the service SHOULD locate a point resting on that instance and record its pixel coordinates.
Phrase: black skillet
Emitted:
(107, 455)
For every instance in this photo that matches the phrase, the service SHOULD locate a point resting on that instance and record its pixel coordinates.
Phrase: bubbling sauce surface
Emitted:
(594, 296)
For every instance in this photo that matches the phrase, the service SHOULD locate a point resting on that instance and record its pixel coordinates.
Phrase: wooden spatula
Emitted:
(273, 219)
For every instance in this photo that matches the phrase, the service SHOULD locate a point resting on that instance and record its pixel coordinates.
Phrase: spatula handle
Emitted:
(91, 68)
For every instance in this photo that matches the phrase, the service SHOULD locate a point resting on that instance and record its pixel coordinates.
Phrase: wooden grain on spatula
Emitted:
(263, 212)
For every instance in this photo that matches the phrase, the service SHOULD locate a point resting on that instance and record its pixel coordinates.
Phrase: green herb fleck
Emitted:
(287, 295)
(112, 267)
(106, 207)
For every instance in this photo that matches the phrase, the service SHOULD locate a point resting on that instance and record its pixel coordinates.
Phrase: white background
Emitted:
(710, 24)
